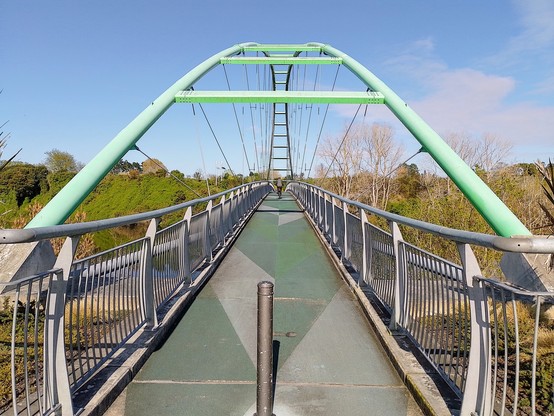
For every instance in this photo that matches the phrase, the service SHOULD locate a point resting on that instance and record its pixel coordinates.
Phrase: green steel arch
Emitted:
(493, 210)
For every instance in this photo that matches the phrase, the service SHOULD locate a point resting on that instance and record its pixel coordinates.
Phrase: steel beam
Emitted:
(282, 48)
(319, 97)
(281, 60)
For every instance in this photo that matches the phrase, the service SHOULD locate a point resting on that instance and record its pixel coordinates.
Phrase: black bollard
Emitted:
(264, 394)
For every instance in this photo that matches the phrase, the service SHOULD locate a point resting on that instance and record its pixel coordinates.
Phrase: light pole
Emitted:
(217, 168)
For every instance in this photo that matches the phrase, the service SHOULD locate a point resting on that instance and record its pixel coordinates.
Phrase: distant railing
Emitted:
(67, 322)
(481, 335)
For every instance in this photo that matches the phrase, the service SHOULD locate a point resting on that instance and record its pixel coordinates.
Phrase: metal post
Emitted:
(147, 283)
(264, 394)
(478, 386)
(398, 312)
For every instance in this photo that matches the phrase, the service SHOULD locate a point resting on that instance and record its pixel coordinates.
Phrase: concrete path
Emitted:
(328, 361)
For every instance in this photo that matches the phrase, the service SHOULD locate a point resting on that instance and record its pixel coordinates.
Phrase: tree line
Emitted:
(370, 166)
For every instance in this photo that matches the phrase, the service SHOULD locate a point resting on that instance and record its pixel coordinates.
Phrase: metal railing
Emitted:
(482, 336)
(67, 322)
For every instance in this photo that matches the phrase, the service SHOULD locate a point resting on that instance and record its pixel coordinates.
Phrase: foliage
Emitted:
(124, 166)
(26, 181)
(59, 161)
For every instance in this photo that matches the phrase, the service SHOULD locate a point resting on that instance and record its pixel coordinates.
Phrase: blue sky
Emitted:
(74, 73)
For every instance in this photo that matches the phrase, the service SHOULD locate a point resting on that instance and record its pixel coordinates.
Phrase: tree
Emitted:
(26, 181)
(547, 173)
(59, 161)
(486, 154)
(124, 166)
(360, 164)
(381, 158)
(343, 158)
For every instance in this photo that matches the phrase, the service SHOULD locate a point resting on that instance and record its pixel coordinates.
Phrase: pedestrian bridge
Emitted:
(364, 322)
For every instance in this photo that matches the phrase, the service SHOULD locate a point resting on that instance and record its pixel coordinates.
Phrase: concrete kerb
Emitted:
(421, 382)
(95, 397)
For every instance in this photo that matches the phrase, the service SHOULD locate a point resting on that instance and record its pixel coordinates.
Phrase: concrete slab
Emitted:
(339, 349)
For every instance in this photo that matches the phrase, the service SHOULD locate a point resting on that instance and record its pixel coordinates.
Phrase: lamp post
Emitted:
(217, 168)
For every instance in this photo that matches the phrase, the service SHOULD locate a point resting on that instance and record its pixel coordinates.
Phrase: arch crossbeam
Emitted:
(304, 97)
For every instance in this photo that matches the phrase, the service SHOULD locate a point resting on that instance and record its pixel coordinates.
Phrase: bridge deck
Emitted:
(328, 361)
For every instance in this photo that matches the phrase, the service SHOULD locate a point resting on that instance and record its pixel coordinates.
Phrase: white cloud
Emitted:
(467, 100)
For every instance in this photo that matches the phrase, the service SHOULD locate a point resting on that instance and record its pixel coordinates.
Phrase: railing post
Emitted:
(366, 248)
(477, 398)
(232, 208)
(324, 213)
(264, 396)
(397, 317)
(207, 230)
(222, 226)
(345, 252)
(320, 196)
(55, 372)
(334, 231)
(147, 284)
(184, 245)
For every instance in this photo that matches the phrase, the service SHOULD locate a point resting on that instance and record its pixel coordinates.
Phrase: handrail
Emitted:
(523, 244)
(27, 235)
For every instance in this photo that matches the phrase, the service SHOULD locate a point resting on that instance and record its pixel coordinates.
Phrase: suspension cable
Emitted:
(342, 142)
(167, 171)
(237, 120)
(252, 119)
(216, 140)
(309, 118)
(201, 150)
(322, 124)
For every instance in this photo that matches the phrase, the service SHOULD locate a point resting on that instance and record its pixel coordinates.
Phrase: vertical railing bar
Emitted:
(122, 322)
(86, 318)
(103, 324)
(79, 341)
(40, 402)
(441, 283)
(69, 306)
(451, 302)
(137, 286)
(466, 327)
(426, 310)
(25, 343)
(495, 343)
(534, 357)
(97, 346)
(112, 315)
(516, 334)
(505, 384)
(433, 282)
(443, 342)
(127, 281)
(13, 347)
(432, 286)
(412, 273)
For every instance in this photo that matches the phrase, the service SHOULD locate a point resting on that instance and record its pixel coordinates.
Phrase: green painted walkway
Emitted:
(329, 362)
